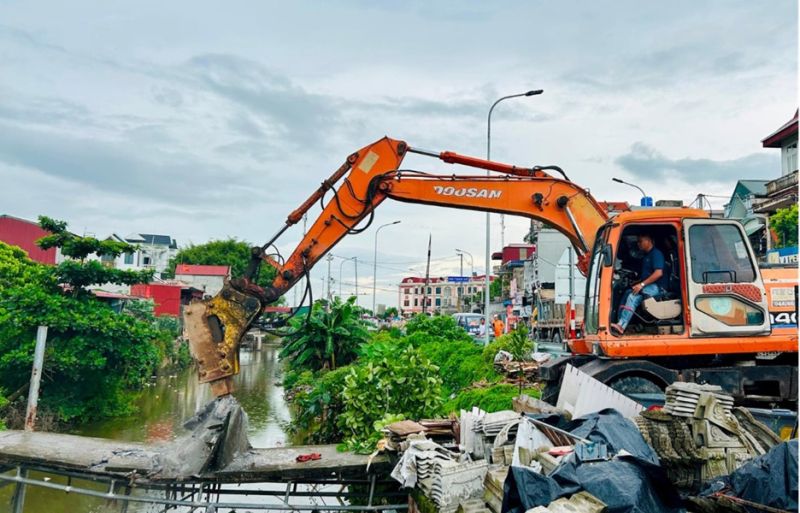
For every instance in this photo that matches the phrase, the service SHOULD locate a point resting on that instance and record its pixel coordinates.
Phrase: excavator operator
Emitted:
(655, 283)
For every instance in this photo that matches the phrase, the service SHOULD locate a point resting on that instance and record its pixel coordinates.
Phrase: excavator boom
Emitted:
(368, 177)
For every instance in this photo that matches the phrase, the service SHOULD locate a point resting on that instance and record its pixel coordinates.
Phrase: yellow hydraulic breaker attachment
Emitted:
(215, 328)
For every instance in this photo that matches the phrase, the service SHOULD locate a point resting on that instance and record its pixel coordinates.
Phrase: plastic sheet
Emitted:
(770, 480)
(632, 482)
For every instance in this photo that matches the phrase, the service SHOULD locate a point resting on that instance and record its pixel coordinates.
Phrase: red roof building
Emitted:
(24, 234)
(208, 278)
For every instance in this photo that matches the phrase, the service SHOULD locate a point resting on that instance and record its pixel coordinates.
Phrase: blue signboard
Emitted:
(458, 279)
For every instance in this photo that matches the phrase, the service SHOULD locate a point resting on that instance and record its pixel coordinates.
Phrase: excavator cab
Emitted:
(713, 285)
(657, 315)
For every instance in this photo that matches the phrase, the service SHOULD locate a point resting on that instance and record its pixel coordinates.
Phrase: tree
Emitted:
(784, 222)
(231, 252)
(79, 272)
(390, 313)
(95, 357)
(330, 336)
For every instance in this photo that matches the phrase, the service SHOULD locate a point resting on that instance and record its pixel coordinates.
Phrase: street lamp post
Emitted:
(340, 272)
(471, 261)
(375, 264)
(489, 157)
(646, 200)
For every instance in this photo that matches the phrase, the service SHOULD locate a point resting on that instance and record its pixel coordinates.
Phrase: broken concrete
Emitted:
(218, 437)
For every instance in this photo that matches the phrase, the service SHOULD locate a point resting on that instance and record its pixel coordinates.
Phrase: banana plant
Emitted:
(330, 336)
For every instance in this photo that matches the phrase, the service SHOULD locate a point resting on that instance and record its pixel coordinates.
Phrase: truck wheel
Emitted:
(627, 385)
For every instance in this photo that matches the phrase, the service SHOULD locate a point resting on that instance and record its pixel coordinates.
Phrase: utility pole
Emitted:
(460, 284)
(36, 378)
(427, 278)
(355, 259)
(328, 295)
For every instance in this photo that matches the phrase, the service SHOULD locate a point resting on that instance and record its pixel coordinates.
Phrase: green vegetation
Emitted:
(231, 252)
(784, 222)
(493, 398)
(431, 370)
(96, 359)
(329, 336)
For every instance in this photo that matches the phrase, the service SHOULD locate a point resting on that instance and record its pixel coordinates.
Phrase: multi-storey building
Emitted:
(443, 294)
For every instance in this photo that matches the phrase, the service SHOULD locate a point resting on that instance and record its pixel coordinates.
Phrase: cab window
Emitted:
(719, 254)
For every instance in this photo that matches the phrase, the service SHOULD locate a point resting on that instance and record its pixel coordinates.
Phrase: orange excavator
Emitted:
(714, 326)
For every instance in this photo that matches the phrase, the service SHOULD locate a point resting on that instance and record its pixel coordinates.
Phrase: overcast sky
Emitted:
(206, 120)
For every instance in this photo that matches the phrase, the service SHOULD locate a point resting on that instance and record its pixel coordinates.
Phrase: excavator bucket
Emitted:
(215, 328)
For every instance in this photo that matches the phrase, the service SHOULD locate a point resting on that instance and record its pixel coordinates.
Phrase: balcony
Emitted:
(778, 185)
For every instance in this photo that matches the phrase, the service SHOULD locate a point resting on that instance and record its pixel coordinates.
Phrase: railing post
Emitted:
(18, 500)
(36, 378)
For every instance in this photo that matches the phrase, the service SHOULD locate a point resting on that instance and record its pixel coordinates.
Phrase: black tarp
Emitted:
(770, 480)
(631, 483)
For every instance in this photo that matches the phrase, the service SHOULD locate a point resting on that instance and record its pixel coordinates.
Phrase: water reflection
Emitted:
(162, 408)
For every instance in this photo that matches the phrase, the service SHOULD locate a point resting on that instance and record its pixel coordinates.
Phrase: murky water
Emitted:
(163, 407)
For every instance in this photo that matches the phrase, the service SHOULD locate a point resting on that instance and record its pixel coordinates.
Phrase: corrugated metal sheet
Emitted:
(22, 233)
(167, 298)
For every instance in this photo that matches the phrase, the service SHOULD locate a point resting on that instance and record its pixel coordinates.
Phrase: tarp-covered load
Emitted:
(769, 480)
(630, 482)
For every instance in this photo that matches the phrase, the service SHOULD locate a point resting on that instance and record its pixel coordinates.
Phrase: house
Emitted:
(782, 191)
(754, 201)
(785, 138)
(208, 278)
(24, 234)
(153, 252)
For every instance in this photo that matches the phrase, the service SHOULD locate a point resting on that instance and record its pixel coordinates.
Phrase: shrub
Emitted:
(317, 411)
(490, 399)
(444, 327)
(460, 363)
(403, 383)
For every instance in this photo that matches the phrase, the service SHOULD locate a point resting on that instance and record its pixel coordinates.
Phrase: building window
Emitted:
(438, 290)
(790, 158)
(128, 258)
(405, 303)
(438, 302)
(429, 290)
(416, 302)
(146, 260)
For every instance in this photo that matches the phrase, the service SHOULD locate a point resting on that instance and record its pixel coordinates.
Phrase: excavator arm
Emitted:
(370, 176)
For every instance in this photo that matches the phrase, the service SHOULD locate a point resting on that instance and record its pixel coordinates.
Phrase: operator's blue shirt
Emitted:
(652, 261)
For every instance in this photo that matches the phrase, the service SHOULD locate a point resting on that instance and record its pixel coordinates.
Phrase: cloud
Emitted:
(112, 166)
(644, 161)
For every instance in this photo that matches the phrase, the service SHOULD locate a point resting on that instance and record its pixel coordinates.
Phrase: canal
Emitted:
(163, 406)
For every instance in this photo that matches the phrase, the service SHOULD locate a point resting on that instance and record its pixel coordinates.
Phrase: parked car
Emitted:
(471, 322)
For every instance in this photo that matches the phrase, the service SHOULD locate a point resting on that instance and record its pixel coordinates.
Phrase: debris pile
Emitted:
(614, 456)
(697, 436)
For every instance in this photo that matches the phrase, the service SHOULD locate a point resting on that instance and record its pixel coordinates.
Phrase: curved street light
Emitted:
(646, 200)
(375, 264)
(471, 261)
(533, 92)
